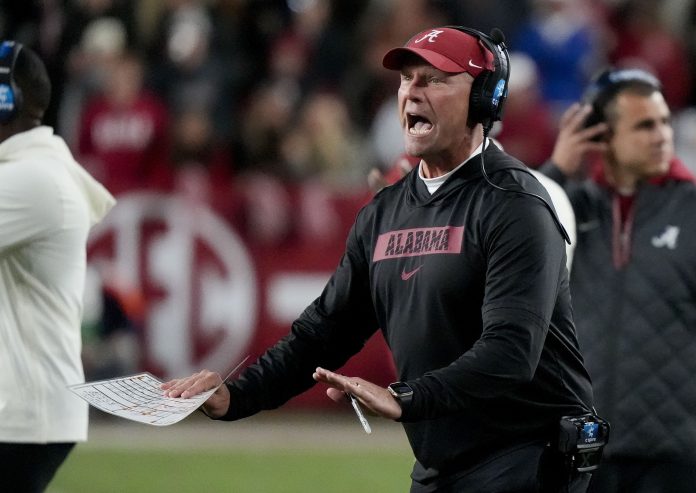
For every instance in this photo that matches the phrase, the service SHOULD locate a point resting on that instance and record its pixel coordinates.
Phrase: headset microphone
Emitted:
(497, 36)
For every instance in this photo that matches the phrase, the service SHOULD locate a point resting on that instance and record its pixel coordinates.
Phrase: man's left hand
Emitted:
(376, 399)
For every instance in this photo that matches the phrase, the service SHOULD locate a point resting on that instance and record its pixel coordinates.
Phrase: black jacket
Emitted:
(470, 288)
(635, 310)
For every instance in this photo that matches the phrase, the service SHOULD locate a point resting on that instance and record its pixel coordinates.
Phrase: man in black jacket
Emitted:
(633, 281)
(464, 272)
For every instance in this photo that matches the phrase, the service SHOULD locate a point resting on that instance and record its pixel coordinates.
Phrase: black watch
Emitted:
(402, 392)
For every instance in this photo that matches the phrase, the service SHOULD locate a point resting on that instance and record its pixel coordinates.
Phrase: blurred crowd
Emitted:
(230, 98)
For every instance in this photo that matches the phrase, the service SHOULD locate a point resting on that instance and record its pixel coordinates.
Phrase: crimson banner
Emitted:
(208, 288)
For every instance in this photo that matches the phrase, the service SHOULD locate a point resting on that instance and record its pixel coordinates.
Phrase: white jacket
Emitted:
(48, 203)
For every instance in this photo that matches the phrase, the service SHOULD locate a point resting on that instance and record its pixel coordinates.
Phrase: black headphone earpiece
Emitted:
(10, 93)
(490, 89)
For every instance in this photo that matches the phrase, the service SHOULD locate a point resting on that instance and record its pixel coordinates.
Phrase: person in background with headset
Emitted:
(47, 205)
(633, 281)
(464, 275)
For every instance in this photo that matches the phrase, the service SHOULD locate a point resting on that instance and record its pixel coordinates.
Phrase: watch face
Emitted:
(401, 388)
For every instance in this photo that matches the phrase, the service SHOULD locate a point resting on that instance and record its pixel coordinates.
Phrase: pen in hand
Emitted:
(358, 411)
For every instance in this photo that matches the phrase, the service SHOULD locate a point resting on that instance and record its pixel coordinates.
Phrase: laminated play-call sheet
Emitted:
(140, 398)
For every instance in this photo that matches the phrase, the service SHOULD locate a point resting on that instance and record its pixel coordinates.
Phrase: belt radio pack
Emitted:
(581, 440)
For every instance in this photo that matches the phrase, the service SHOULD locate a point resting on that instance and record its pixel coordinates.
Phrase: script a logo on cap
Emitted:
(431, 36)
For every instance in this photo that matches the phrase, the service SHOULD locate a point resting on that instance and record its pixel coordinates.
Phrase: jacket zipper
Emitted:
(621, 233)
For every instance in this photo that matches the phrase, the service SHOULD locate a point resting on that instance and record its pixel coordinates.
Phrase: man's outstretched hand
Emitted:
(376, 399)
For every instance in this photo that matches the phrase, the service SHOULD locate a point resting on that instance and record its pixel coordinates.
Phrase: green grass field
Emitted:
(274, 452)
(141, 471)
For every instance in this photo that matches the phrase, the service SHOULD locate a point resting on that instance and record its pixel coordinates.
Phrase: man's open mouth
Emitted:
(418, 125)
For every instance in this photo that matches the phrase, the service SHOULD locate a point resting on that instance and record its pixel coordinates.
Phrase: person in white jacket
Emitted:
(48, 203)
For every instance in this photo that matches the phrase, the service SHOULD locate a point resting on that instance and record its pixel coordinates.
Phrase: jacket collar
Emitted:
(494, 160)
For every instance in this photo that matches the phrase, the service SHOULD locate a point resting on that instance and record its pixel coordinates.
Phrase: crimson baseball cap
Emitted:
(446, 49)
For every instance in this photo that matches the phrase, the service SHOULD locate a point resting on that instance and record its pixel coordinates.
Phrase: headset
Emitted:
(490, 88)
(10, 93)
(607, 84)
(487, 99)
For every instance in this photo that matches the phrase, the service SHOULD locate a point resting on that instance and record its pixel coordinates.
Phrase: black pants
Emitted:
(29, 467)
(617, 475)
(527, 468)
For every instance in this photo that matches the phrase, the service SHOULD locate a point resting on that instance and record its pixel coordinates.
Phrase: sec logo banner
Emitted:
(195, 274)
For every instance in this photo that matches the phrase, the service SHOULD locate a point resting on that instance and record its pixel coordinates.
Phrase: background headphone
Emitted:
(10, 93)
(490, 89)
(607, 84)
